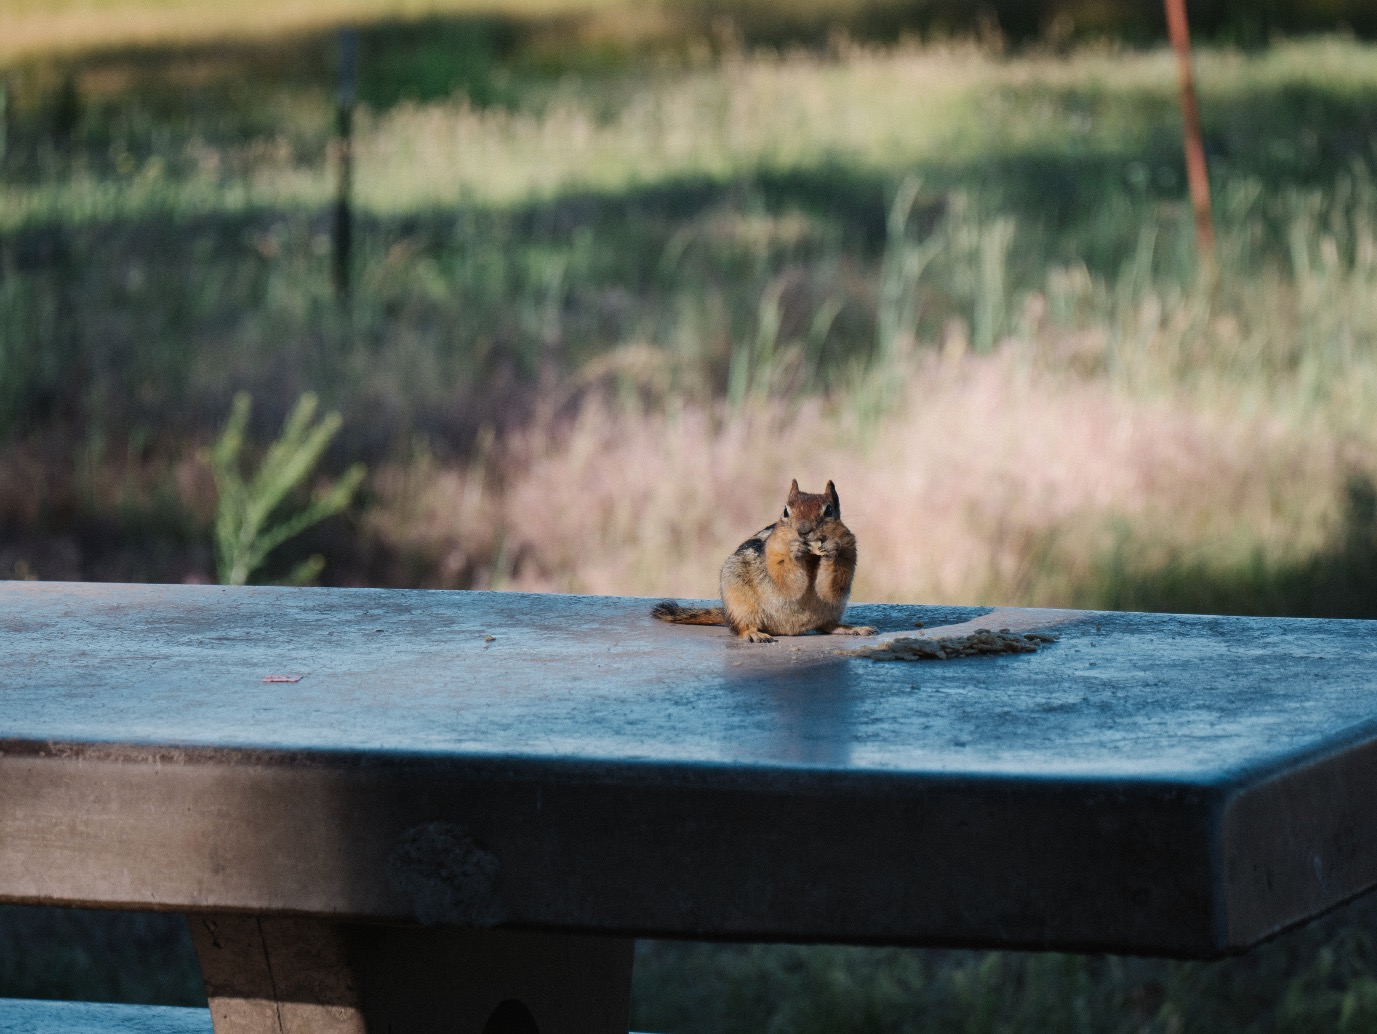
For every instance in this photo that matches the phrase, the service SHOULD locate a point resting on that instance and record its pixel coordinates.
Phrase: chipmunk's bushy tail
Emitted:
(668, 610)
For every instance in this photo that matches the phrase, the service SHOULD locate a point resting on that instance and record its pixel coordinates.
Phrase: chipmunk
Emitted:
(791, 578)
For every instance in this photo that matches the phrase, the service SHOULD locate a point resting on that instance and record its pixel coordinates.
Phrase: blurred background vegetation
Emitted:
(618, 273)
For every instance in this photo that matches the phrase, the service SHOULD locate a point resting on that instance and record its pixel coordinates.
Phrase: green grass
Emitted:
(163, 246)
(1321, 977)
(165, 242)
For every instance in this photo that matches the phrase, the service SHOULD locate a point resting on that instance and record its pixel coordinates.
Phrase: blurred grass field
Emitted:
(580, 275)
(618, 277)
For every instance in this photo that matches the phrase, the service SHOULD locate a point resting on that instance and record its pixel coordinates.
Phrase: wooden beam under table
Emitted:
(286, 975)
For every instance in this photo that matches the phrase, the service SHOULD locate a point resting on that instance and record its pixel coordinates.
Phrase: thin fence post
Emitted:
(1197, 174)
(345, 99)
(4, 117)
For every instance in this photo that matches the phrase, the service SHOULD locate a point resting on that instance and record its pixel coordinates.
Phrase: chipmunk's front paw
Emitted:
(825, 548)
(854, 630)
(755, 635)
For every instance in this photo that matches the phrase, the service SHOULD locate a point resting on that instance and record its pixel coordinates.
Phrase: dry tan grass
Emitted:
(992, 480)
(989, 479)
(448, 520)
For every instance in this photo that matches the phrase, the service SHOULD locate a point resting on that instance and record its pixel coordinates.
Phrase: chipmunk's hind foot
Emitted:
(755, 635)
(668, 610)
(852, 630)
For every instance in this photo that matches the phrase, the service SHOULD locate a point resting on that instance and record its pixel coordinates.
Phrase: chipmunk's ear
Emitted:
(793, 491)
(830, 492)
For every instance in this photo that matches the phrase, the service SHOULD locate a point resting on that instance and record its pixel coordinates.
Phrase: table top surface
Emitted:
(1196, 716)
(1121, 696)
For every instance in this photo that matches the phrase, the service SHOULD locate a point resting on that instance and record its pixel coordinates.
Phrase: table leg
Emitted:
(282, 975)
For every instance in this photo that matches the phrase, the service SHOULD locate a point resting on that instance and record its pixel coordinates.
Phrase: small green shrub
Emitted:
(243, 534)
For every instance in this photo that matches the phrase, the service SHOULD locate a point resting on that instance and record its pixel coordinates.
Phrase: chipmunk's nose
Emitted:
(805, 527)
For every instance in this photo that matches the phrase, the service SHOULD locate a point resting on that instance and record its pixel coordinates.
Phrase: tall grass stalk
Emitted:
(992, 297)
(759, 363)
(901, 269)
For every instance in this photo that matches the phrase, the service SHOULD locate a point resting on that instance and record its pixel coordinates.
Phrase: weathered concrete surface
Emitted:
(1181, 785)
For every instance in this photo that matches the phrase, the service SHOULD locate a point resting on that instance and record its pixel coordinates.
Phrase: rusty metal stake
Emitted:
(1196, 172)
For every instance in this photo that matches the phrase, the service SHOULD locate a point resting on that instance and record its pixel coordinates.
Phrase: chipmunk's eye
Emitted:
(827, 510)
(786, 513)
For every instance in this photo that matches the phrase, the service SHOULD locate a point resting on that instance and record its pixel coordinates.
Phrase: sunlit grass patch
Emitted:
(876, 111)
(39, 27)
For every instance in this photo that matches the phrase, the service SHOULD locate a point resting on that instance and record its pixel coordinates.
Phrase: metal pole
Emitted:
(348, 92)
(1196, 172)
(4, 117)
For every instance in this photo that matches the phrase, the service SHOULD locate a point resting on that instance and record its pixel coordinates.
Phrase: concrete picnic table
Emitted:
(466, 805)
